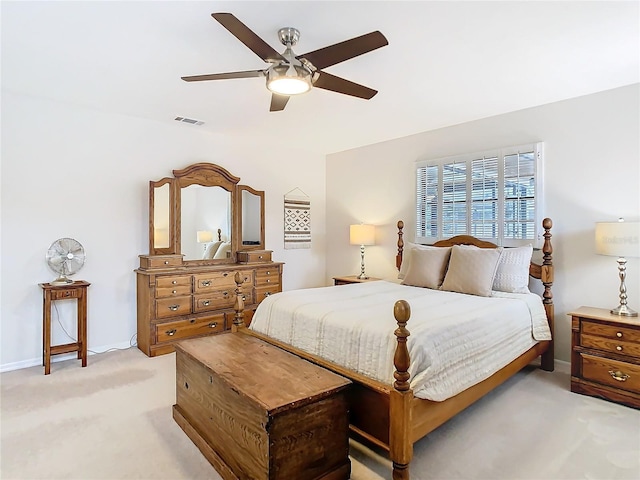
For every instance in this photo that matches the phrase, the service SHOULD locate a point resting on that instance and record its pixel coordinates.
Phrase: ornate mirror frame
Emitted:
(163, 224)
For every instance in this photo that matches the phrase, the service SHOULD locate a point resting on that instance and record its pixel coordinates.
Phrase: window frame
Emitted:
(422, 181)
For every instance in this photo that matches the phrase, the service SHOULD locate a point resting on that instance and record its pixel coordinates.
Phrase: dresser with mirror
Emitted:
(203, 228)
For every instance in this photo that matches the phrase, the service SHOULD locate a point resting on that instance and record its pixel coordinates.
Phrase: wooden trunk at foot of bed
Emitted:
(390, 417)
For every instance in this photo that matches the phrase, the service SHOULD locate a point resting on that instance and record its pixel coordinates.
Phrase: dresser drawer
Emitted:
(173, 286)
(160, 261)
(621, 375)
(190, 327)
(610, 345)
(267, 276)
(264, 292)
(173, 306)
(219, 299)
(254, 256)
(622, 333)
(205, 282)
(66, 293)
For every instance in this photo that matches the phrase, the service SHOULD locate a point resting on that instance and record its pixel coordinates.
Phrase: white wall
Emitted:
(74, 172)
(592, 173)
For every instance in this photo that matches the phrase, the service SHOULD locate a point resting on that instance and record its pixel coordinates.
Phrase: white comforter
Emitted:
(456, 340)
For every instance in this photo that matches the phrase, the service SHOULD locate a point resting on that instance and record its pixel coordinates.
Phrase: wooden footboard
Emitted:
(389, 416)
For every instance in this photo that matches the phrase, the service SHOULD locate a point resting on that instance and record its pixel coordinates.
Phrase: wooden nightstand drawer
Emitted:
(611, 372)
(191, 327)
(610, 345)
(611, 331)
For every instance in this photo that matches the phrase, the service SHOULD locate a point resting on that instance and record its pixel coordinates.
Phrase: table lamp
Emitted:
(619, 239)
(362, 235)
(204, 236)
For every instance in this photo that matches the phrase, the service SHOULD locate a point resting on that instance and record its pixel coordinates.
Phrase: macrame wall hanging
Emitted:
(297, 219)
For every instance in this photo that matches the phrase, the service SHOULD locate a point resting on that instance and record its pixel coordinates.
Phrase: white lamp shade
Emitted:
(618, 239)
(205, 236)
(362, 235)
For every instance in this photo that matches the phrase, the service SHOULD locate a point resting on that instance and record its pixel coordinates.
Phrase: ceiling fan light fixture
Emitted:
(288, 79)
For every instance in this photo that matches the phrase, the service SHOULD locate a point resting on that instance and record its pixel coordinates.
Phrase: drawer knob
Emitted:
(619, 348)
(171, 333)
(225, 274)
(246, 279)
(619, 334)
(260, 257)
(173, 308)
(192, 320)
(206, 283)
(174, 291)
(213, 324)
(175, 282)
(266, 294)
(268, 273)
(206, 303)
(166, 262)
(268, 280)
(618, 375)
(67, 294)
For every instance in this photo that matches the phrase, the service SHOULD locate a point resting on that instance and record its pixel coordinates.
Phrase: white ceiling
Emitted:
(447, 62)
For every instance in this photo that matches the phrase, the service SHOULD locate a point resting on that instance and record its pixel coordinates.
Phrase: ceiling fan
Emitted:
(291, 74)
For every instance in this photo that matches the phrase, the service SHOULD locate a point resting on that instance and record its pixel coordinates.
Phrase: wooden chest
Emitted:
(258, 412)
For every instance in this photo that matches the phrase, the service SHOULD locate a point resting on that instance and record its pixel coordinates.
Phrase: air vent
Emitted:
(189, 120)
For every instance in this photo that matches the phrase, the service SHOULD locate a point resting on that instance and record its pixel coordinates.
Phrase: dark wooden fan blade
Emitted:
(224, 76)
(248, 37)
(278, 102)
(340, 85)
(327, 56)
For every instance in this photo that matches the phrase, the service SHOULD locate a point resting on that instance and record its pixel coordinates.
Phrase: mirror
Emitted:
(205, 222)
(252, 215)
(204, 215)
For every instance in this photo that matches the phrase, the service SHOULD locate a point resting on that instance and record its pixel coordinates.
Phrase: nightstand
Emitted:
(605, 355)
(352, 279)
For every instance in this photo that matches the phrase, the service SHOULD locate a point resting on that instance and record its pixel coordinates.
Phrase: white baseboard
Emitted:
(7, 367)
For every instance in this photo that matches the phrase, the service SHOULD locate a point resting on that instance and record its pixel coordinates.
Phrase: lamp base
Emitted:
(362, 276)
(624, 311)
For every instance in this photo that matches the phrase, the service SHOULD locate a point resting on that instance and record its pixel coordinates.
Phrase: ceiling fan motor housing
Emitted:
(289, 36)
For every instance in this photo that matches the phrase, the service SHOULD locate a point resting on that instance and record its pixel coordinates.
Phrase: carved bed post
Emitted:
(238, 319)
(400, 244)
(400, 443)
(546, 275)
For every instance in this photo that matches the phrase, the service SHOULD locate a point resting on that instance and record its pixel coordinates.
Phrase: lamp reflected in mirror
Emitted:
(204, 237)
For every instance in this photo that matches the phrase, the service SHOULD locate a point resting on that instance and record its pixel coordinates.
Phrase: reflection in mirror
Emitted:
(205, 209)
(161, 216)
(250, 219)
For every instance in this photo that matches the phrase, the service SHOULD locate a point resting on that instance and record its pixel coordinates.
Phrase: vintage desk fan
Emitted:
(65, 257)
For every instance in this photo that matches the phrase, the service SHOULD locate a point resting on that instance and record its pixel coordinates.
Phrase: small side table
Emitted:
(352, 279)
(77, 290)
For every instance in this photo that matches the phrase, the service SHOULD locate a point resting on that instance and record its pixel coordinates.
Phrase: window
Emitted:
(495, 196)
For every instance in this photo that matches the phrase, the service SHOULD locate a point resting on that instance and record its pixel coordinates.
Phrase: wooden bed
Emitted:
(389, 416)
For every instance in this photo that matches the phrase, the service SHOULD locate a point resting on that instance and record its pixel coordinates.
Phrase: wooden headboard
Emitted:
(542, 271)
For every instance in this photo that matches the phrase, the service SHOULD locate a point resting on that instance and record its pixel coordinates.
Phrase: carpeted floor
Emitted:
(112, 420)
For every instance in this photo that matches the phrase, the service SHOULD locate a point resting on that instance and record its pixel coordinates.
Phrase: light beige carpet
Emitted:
(112, 420)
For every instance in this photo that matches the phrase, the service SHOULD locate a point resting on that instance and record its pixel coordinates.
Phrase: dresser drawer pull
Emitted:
(619, 348)
(618, 375)
(67, 294)
(225, 274)
(268, 273)
(266, 294)
(174, 291)
(213, 324)
(206, 303)
(205, 283)
(174, 308)
(260, 257)
(193, 320)
(175, 282)
(619, 334)
(246, 279)
(268, 280)
(244, 297)
(225, 294)
(171, 333)
(166, 262)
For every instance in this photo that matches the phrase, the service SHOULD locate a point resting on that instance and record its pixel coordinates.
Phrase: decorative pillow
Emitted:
(211, 250)
(427, 267)
(223, 251)
(471, 270)
(406, 256)
(512, 275)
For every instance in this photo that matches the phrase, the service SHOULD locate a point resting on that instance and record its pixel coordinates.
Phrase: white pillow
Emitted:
(427, 267)
(471, 270)
(406, 256)
(211, 250)
(223, 251)
(512, 275)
